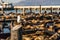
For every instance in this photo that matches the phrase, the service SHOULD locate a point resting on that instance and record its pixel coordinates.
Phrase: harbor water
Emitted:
(36, 11)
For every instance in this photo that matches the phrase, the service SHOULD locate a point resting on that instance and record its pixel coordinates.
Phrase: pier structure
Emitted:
(40, 8)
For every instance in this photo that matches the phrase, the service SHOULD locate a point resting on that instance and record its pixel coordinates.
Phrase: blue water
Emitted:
(36, 11)
(6, 30)
(20, 11)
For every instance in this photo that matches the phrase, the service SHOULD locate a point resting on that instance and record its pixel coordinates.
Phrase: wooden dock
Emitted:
(30, 21)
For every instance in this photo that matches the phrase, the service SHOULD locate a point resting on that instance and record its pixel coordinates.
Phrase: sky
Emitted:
(34, 2)
(12, 1)
(38, 2)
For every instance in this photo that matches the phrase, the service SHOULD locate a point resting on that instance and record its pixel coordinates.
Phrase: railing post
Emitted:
(30, 10)
(51, 9)
(58, 10)
(45, 11)
(23, 11)
(40, 9)
(16, 10)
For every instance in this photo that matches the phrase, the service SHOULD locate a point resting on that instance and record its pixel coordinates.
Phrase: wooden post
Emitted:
(51, 9)
(30, 10)
(34, 10)
(11, 26)
(16, 11)
(20, 34)
(15, 32)
(45, 10)
(58, 10)
(40, 9)
(14, 35)
(23, 11)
